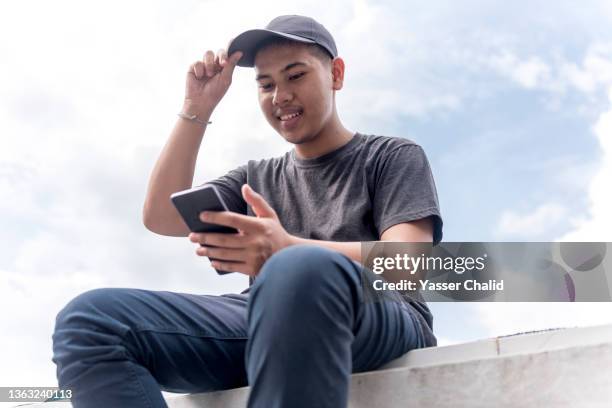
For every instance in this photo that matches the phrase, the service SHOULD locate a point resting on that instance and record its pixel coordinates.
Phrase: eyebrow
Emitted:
(288, 67)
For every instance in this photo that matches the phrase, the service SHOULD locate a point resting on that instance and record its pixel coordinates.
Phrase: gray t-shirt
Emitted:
(353, 193)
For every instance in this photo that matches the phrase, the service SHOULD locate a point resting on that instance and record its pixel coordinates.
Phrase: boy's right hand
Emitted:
(208, 80)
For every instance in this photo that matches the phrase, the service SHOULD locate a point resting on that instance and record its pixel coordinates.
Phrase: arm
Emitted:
(414, 231)
(206, 84)
(173, 172)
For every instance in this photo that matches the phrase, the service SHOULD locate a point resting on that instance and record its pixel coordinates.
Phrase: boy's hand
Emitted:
(207, 82)
(257, 240)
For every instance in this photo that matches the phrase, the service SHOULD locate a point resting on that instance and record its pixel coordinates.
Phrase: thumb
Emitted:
(228, 68)
(260, 207)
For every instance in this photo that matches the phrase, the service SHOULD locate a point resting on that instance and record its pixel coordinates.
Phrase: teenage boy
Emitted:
(303, 326)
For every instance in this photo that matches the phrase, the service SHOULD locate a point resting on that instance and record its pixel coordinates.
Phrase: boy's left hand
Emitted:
(258, 238)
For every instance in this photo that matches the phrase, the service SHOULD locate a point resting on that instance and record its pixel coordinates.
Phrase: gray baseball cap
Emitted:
(297, 28)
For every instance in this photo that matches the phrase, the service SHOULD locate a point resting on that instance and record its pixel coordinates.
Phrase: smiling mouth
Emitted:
(289, 116)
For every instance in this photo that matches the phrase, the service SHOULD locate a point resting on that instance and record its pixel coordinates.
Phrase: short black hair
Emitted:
(315, 50)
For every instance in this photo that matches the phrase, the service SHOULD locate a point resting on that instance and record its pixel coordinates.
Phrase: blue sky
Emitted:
(511, 102)
(515, 132)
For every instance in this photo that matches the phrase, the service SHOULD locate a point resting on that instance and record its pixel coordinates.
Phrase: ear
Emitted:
(337, 67)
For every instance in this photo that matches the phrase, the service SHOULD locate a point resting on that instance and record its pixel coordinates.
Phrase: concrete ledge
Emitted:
(504, 346)
(554, 368)
(574, 377)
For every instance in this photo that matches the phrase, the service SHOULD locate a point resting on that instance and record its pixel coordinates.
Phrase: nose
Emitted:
(282, 95)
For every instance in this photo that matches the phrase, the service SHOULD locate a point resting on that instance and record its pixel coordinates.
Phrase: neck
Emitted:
(330, 138)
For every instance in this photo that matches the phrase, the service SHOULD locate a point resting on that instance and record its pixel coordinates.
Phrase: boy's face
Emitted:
(296, 91)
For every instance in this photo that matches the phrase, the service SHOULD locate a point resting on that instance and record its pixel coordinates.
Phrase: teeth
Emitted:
(290, 116)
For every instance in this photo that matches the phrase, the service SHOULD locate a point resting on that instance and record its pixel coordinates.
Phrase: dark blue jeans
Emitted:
(294, 338)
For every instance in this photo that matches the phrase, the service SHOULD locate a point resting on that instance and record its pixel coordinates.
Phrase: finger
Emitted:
(260, 206)
(199, 69)
(237, 241)
(217, 64)
(194, 70)
(209, 62)
(229, 67)
(221, 57)
(232, 267)
(223, 254)
(231, 219)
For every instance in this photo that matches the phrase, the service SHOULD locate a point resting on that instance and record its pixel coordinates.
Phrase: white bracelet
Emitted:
(193, 118)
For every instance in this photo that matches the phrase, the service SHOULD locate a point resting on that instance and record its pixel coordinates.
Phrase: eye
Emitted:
(265, 87)
(296, 76)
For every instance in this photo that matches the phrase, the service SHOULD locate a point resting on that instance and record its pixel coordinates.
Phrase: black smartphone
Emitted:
(190, 203)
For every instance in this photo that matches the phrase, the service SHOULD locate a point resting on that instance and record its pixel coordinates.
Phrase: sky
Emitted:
(511, 102)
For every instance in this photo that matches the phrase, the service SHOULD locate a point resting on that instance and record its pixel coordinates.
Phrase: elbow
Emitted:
(161, 225)
(148, 220)
(151, 220)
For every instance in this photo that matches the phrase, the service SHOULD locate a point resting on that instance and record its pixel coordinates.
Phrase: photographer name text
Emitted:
(427, 285)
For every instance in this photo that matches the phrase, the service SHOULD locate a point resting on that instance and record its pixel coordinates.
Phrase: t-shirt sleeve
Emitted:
(229, 186)
(405, 190)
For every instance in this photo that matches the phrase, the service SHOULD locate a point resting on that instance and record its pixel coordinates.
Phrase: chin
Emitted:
(293, 137)
(297, 139)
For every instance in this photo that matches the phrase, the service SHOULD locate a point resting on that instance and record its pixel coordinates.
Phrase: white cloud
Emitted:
(596, 225)
(530, 225)
(553, 72)
(528, 73)
(595, 72)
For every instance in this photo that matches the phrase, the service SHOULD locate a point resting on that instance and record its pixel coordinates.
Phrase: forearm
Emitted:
(350, 249)
(173, 172)
(414, 231)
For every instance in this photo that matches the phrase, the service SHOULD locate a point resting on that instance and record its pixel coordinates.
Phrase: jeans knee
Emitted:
(307, 267)
(302, 284)
(86, 328)
(89, 309)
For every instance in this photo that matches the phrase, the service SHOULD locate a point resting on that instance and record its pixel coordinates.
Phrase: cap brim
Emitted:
(250, 41)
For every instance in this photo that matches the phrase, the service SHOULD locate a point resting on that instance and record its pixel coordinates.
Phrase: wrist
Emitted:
(293, 240)
(192, 108)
